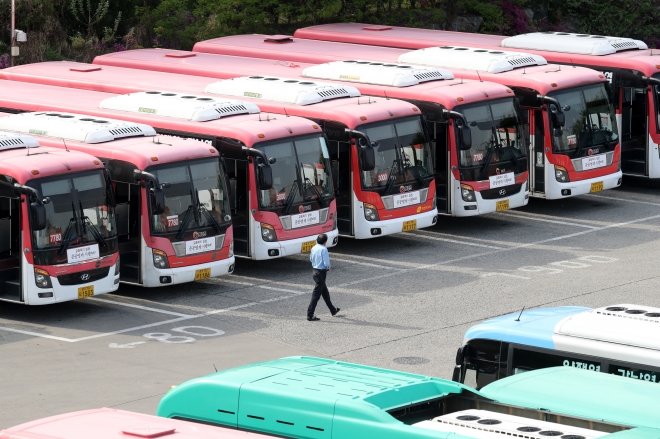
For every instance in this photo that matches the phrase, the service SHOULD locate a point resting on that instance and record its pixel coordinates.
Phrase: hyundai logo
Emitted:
(84, 276)
(502, 191)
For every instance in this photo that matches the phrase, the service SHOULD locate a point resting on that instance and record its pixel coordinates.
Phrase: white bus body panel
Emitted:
(287, 247)
(485, 206)
(362, 227)
(61, 293)
(553, 188)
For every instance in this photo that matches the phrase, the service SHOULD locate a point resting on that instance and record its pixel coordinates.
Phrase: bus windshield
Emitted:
(80, 212)
(195, 198)
(590, 121)
(301, 173)
(497, 137)
(403, 154)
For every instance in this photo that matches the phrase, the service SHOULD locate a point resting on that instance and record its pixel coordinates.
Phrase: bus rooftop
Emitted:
(109, 423)
(310, 397)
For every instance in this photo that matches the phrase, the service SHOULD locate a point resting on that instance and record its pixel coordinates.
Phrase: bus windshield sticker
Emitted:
(500, 180)
(81, 254)
(281, 196)
(57, 237)
(572, 140)
(382, 177)
(173, 221)
(478, 157)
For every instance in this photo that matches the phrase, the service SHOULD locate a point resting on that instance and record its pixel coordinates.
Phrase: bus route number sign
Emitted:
(81, 254)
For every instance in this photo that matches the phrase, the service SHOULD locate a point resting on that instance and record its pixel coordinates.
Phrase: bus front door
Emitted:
(537, 156)
(634, 128)
(10, 250)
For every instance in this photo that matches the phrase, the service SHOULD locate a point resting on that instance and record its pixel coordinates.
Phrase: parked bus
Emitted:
(58, 236)
(618, 339)
(306, 397)
(172, 207)
(631, 68)
(572, 122)
(109, 423)
(262, 229)
(385, 183)
(465, 184)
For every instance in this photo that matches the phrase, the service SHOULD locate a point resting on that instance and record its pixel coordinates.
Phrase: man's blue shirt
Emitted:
(320, 257)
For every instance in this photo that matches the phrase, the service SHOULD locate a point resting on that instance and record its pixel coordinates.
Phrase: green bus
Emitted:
(316, 398)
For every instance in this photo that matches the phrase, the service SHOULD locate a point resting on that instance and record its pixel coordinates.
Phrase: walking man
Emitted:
(321, 265)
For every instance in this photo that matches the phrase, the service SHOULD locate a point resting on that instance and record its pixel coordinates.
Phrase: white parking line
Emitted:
(35, 334)
(545, 220)
(453, 241)
(623, 199)
(146, 308)
(366, 264)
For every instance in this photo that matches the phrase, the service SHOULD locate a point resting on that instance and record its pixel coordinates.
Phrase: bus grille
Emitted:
(493, 194)
(75, 278)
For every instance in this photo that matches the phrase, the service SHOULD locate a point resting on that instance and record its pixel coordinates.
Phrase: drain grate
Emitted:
(411, 360)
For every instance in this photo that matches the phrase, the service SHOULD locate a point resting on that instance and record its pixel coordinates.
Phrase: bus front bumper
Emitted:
(161, 277)
(557, 190)
(277, 249)
(373, 229)
(64, 293)
(481, 206)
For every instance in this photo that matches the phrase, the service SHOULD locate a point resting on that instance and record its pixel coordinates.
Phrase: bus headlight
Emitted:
(160, 259)
(117, 266)
(268, 233)
(561, 174)
(370, 212)
(467, 193)
(42, 279)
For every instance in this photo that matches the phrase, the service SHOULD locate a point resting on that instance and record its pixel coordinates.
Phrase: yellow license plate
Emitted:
(502, 205)
(597, 187)
(307, 246)
(202, 274)
(409, 225)
(85, 292)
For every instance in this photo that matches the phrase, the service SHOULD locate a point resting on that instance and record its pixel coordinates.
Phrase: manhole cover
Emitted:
(411, 360)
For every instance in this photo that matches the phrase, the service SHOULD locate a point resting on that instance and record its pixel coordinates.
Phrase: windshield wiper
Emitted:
(489, 153)
(318, 194)
(291, 197)
(205, 211)
(390, 178)
(185, 221)
(95, 231)
(66, 237)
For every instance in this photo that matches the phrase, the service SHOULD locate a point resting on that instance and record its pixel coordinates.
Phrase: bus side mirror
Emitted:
(464, 137)
(157, 201)
(368, 158)
(265, 177)
(38, 214)
(558, 118)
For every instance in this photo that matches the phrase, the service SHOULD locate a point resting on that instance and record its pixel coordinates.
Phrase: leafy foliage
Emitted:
(82, 29)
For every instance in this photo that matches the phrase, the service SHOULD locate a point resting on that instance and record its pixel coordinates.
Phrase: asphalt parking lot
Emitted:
(406, 301)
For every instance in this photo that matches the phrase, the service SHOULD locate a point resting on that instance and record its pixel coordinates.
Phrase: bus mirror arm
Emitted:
(251, 152)
(263, 169)
(556, 115)
(157, 194)
(462, 128)
(37, 208)
(366, 152)
(27, 190)
(651, 81)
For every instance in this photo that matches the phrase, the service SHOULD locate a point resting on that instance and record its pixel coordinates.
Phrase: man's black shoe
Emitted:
(313, 319)
(336, 312)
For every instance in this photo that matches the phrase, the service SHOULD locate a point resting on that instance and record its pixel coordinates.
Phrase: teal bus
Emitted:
(316, 398)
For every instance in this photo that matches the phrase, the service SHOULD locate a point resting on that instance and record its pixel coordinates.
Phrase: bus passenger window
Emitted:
(634, 372)
(525, 360)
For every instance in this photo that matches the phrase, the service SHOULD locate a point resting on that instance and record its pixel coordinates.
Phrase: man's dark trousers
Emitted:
(320, 290)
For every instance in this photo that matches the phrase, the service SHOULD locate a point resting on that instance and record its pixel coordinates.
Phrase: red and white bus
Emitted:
(385, 182)
(262, 229)
(172, 207)
(58, 236)
(109, 423)
(575, 147)
(465, 184)
(632, 69)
